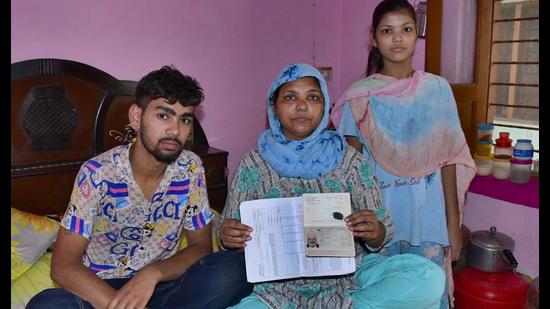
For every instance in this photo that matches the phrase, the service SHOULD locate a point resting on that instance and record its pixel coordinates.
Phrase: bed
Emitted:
(64, 112)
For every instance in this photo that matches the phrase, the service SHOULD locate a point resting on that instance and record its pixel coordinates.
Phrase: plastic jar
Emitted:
(523, 149)
(520, 171)
(503, 145)
(485, 132)
(484, 148)
(502, 167)
(484, 165)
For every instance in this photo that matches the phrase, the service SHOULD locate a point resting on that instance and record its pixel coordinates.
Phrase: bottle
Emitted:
(501, 167)
(484, 148)
(503, 145)
(523, 149)
(485, 132)
(520, 171)
(484, 164)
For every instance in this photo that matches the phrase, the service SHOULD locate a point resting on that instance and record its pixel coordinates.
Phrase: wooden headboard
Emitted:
(62, 113)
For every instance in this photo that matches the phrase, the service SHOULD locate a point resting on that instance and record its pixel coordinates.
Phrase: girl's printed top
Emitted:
(314, 156)
(416, 205)
(411, 126)
(256, 179)
(125, 230)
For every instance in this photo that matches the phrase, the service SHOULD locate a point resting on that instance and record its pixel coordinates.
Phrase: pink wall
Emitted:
(519, 222)
(234, 48)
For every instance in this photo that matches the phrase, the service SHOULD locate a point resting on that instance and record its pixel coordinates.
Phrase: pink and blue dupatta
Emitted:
(411, 127)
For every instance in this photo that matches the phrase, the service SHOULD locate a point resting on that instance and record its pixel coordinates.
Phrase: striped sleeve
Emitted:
(78, 217)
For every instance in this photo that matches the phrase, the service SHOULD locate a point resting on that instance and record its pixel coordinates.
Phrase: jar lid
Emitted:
(492, 240)
(485, 142)
(504, 143)
(523, 140)
(485, 126)
(503, 140)
(517, 161)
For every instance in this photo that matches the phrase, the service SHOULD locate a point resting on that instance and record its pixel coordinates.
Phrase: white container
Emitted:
(484, 164)
(520, 171)
(501, 167)
(523, 149)
(507, 151)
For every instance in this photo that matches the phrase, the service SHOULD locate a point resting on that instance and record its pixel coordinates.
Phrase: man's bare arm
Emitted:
(68, 271)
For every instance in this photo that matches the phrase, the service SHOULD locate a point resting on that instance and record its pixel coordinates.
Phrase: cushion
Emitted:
(34, 280)
(31, 235)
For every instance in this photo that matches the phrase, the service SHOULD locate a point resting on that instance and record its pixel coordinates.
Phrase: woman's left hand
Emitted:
(365, 225)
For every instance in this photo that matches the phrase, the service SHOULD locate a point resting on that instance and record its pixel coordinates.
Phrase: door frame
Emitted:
(477, 91)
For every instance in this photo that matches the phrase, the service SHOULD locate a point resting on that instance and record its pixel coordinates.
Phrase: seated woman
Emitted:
(298, 154)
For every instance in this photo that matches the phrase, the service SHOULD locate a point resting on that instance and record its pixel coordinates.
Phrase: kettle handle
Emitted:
(509, 257)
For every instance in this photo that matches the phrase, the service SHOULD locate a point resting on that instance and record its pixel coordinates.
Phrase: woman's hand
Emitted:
(365, 225)
(234, 234)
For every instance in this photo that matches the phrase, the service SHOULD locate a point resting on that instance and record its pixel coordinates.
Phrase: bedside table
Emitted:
(215, 168)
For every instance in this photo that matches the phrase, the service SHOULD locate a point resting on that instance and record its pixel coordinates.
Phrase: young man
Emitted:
(117, 245)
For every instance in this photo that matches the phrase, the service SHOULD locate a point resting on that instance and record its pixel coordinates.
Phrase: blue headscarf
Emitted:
(312, 157)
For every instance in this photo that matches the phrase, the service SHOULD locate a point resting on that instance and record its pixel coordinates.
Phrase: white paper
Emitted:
(276, 250)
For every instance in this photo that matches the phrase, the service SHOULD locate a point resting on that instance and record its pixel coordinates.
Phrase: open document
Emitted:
(277, 248)
(326, 233)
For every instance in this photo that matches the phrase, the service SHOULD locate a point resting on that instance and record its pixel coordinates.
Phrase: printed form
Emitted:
(277, 249)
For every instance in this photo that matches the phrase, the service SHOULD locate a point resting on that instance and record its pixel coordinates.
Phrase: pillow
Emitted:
(215, 223)
(31, 235)
(34, 280)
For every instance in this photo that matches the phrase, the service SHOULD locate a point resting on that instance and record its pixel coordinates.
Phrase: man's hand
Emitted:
(234, 234)
(365, 225)
(136, 292)
(69, 273)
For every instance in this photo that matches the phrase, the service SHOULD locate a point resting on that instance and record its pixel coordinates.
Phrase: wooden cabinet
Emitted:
(215, 167)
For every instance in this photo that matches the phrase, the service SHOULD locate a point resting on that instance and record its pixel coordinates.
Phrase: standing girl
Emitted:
(406, 123)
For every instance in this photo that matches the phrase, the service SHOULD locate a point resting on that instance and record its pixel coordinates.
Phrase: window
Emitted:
(513, 102)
